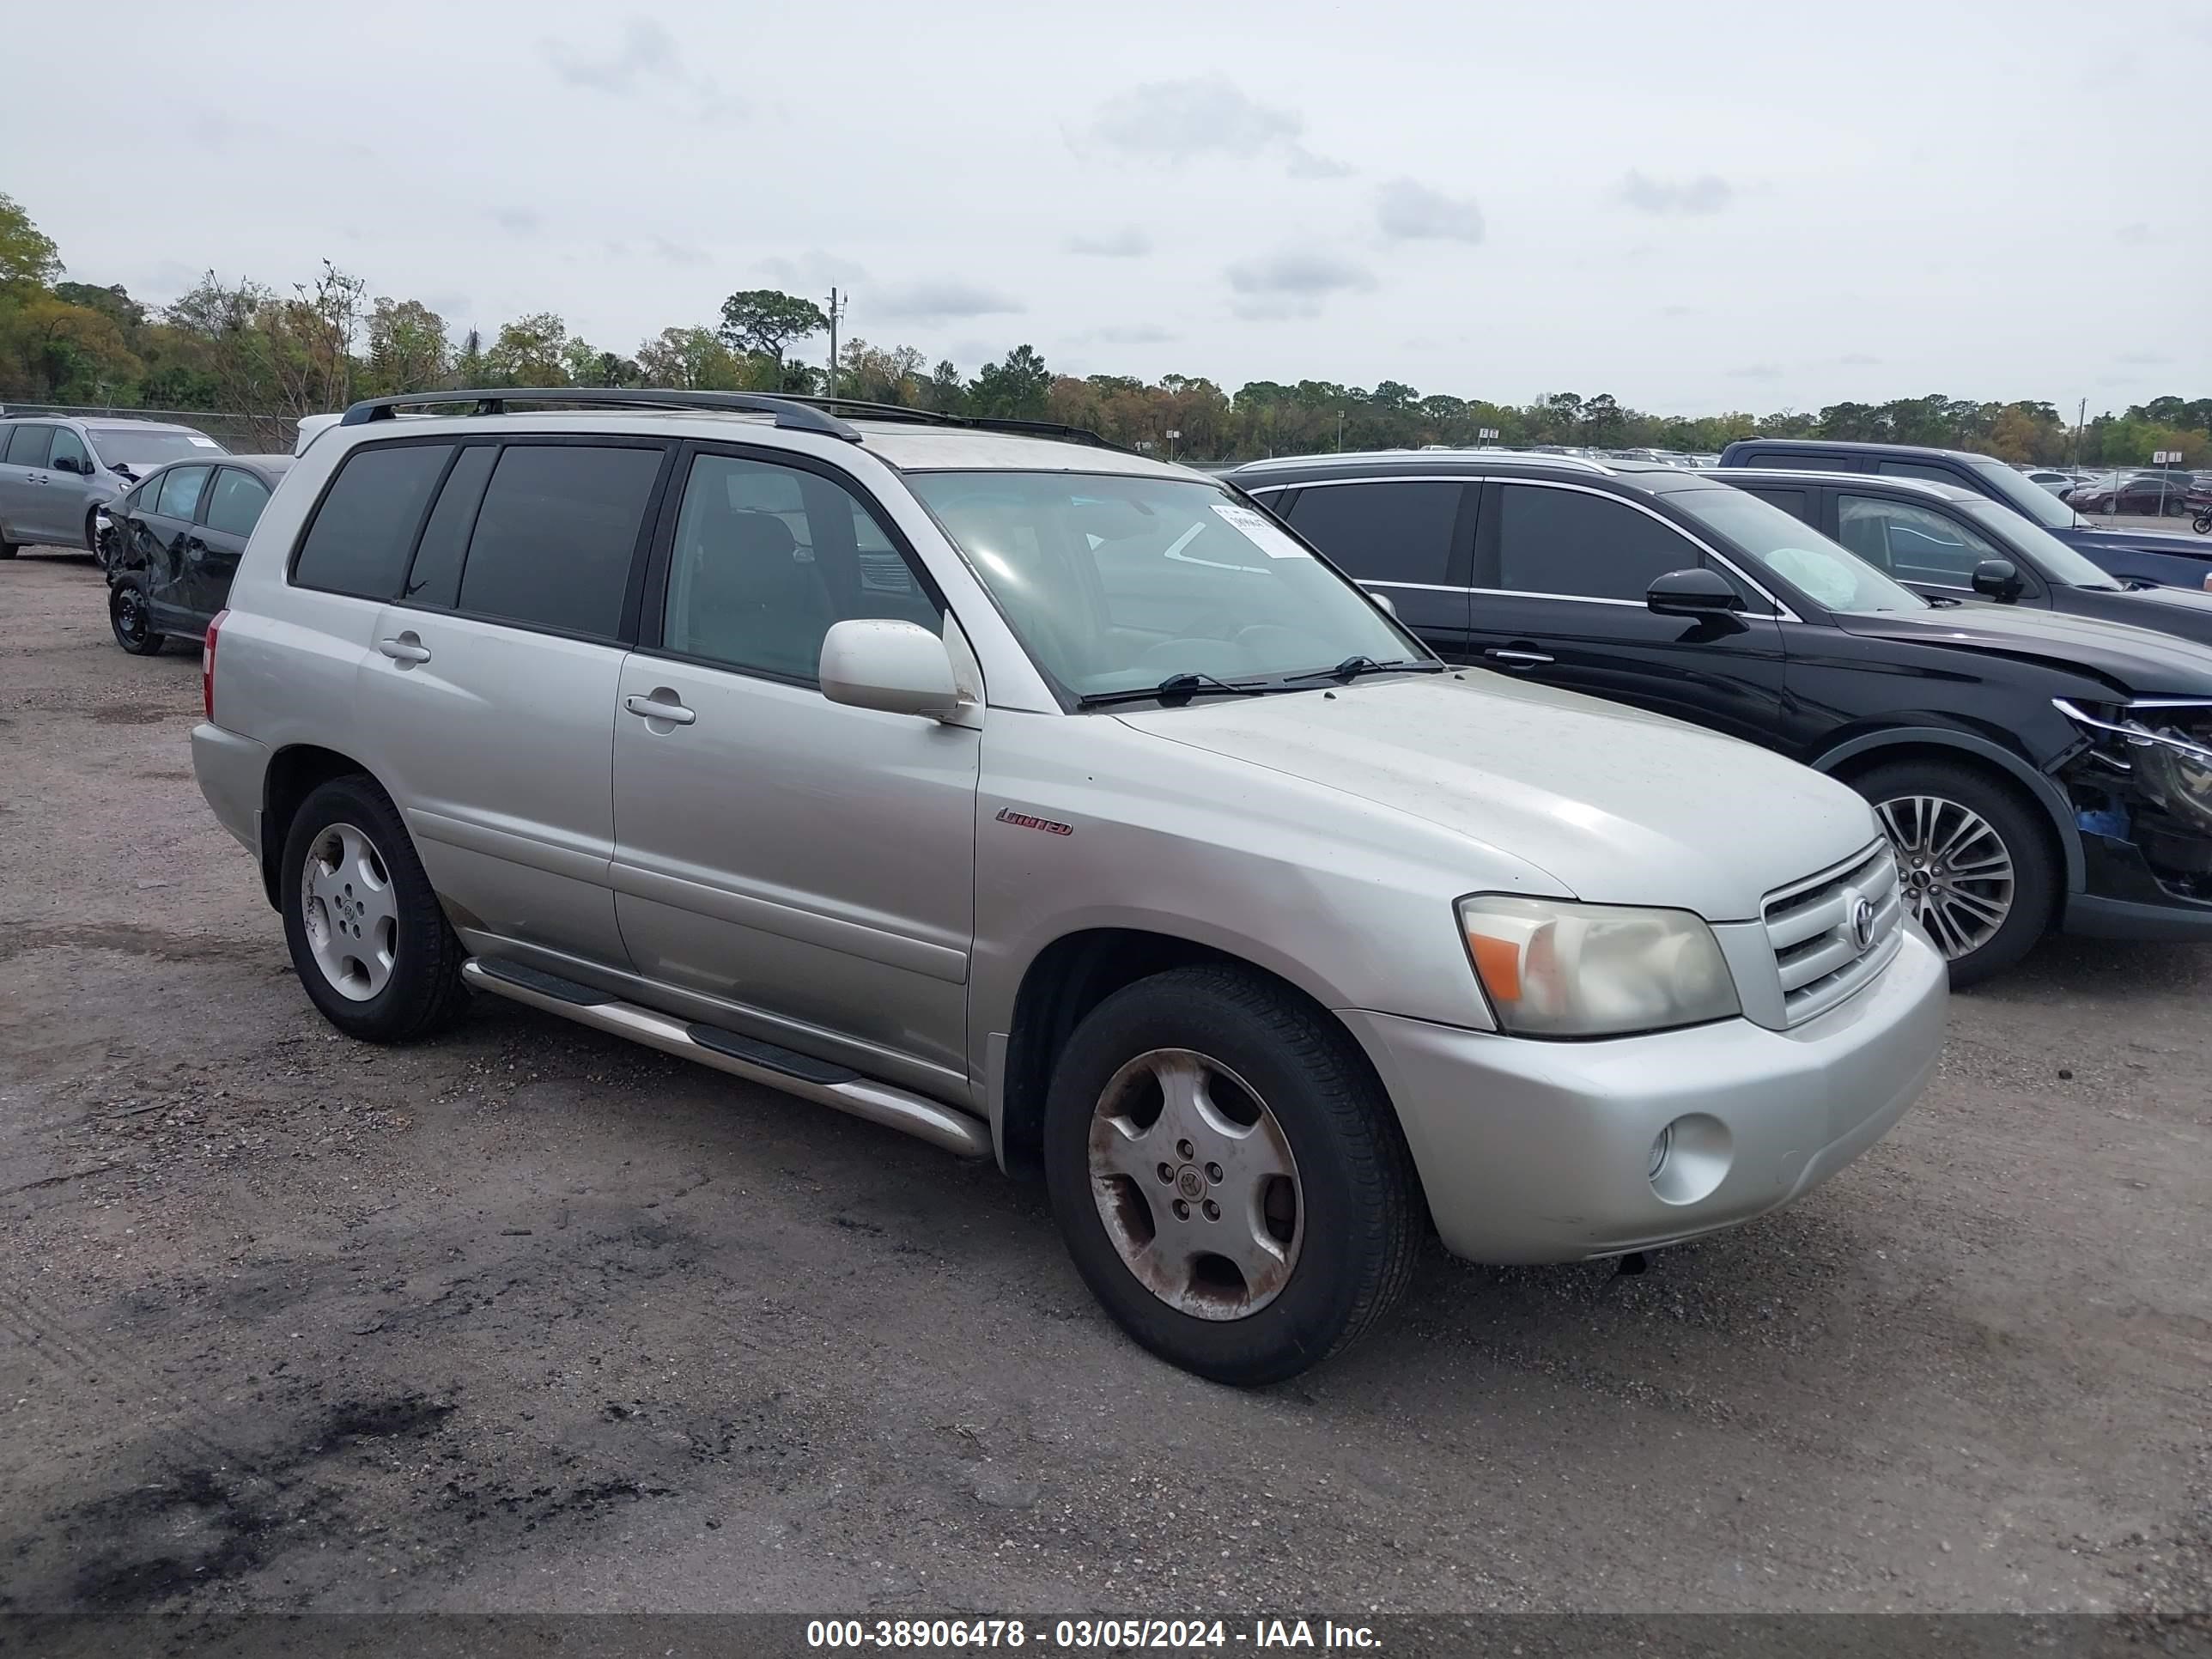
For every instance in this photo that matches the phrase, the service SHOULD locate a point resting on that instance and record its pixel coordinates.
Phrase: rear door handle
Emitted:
(405, 648)
(656, 708)
(1518, 659)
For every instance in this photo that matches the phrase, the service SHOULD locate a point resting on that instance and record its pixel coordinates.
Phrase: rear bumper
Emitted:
(1541, 1152)
(232, 771)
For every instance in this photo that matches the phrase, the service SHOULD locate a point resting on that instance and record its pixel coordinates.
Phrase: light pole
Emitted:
(1340, 432)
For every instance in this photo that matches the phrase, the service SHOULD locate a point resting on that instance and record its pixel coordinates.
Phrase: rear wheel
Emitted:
(1230, 1179)
(1979, 872)
(368, 940)
(128, 616)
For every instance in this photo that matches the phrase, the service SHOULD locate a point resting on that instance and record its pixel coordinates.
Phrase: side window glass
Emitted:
(768, 557)
(1382, 532)
(180, 491)
(1575, 545)
(1792, 502)
(1926, 474)
(68, 446)
(359, 541)
(1912, 543)
(235, 506)
(26, 445)
(557, 535)
(435, 578)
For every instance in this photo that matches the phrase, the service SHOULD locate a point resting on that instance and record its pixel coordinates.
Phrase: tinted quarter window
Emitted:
(1926, 474)
(359, 541)
(180, 491)
(1382, 532)
(435, 578)
(768, 557)
(556, 534)
(1794, 502)
(26, 445)
(235, 506)
(68, 446)
(1570, 542)
(1912, 543)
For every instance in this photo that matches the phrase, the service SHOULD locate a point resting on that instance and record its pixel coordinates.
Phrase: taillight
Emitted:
(207, 666)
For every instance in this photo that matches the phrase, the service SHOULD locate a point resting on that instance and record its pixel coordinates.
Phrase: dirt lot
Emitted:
(528, 1319)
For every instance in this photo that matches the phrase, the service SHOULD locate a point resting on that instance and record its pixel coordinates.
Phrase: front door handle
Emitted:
(1518, 658)
(406, 649)
(657, 708)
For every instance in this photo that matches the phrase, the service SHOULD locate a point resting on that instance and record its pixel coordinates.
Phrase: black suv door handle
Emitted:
(1514, 657)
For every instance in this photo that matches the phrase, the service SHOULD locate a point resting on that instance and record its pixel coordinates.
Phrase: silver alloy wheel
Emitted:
(1956, 870)
(351, 913)
(1195, 1180)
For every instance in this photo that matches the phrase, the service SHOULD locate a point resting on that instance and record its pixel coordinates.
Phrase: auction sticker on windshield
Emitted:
(1255, 529)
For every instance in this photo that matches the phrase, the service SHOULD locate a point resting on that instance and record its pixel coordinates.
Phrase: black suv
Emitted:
(2144, 555)
(1944, 542)
(2035, 770)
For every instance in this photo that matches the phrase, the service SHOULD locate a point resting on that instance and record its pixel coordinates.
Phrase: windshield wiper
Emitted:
(1352, 667)
(1176, 688)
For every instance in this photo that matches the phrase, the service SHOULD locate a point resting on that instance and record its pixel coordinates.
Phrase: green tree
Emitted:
(766, 319)
(692, 360)
(946, 392)
(28, 258)
(530, 351)
(407, 348)
(1016, 389)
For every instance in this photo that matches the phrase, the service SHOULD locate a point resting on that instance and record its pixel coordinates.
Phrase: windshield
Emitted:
(2032, 501)
(2058, 561)
(1789, 548)
(1118, 583)
(141, 446)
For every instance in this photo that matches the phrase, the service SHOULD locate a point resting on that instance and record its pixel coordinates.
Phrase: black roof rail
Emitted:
(865, 410)
(796, 414)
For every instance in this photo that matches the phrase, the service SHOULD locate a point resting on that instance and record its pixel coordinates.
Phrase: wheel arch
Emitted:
(294, 773)
(1067, 979)
(1862, 754)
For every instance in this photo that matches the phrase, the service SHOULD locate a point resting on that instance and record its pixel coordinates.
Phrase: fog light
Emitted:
(1660, 1149)
(1690, 1158)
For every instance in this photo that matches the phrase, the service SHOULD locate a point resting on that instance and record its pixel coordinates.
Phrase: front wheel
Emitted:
(1978, 872)
(128, 616)
(368, 940)
(2202, 523)
(1228, 1177)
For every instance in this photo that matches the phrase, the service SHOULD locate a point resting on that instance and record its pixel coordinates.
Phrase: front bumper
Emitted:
(1541, 1152)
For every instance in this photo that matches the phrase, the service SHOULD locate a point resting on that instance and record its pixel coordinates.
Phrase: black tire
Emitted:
(424, 992)
(2015, 822)
(1361, 1215)
(127, 619)
(94, 543)
(7, 550)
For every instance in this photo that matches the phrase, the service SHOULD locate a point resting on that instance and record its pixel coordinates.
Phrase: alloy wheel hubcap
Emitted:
(1195, 1182)
(351, 913)
(1958, 872)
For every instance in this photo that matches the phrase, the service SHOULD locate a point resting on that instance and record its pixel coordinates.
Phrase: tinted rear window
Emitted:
(436, 577)
(26, 445)
(363, 531)
(1381, 531)
(556, 534)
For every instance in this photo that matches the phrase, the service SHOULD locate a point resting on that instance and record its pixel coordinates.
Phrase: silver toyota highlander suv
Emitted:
(1047, 802)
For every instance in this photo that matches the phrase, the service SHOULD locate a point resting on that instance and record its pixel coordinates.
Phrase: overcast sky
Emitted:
(1695, 207)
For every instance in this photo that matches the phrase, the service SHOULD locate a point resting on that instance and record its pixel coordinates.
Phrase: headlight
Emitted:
(2166, 742)
(1556, 969)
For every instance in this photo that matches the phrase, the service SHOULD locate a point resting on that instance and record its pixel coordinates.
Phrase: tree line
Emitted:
(271, 354)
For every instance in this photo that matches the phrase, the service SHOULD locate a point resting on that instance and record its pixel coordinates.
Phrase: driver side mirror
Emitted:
(1997, 579)
(69, 464)
(1382, 602)
(896, 667)
(1694, 594)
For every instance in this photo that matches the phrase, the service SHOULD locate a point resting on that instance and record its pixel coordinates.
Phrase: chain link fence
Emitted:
(241, 435)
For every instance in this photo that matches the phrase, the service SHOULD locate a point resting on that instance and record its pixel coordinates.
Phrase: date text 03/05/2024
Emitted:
(1077, 1635)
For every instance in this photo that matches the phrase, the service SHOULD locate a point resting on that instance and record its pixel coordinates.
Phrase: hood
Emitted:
(2138, 660)
(2085, 538)
(1618, 806)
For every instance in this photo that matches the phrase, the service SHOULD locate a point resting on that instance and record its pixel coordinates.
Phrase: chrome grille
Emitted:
(1815, 928)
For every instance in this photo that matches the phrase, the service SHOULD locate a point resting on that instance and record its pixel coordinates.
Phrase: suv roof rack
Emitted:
(795, 411)
(493, 400)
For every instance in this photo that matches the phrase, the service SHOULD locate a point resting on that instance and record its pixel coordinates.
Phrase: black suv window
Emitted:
(1383, 532)
(1792, 502)
(556, 534)
(359, 541)
(1576, 544)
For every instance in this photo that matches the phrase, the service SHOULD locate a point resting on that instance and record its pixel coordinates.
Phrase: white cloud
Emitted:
(1293, 282)
(936, 301)
(1407, 210)
(1127, 243)
(1706, 193)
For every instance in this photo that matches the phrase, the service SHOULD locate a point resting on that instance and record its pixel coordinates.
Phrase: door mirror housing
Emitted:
(896, 667)
(1382, 602)
(1997, 579)
(1694, 594)
(67, 463)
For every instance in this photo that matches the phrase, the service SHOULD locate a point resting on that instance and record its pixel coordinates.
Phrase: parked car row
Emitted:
(57, 474)
(1564, 853)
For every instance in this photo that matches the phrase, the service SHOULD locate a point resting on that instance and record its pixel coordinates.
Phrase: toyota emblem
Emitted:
(1863, 924)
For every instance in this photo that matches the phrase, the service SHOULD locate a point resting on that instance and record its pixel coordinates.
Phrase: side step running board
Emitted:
(817, 1080)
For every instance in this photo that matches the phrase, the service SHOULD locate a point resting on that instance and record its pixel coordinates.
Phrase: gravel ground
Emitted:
(528, 1319)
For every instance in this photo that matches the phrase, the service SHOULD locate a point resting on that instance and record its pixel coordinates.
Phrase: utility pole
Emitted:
(2081, 421)
(1340, 431)
(832, 383)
